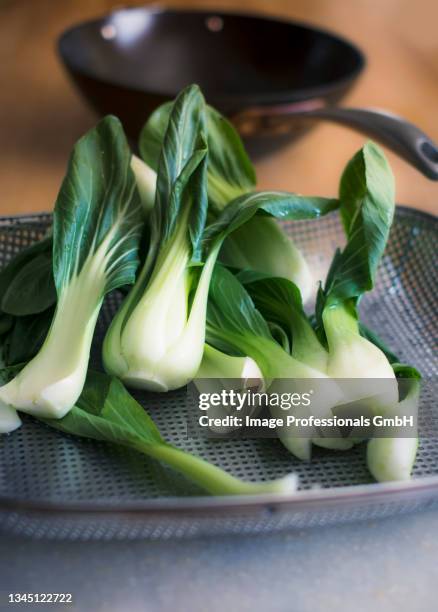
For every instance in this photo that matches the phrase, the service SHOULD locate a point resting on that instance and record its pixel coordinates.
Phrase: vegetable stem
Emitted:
(212, 478)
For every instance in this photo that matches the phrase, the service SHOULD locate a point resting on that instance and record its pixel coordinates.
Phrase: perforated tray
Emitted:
(52, 485)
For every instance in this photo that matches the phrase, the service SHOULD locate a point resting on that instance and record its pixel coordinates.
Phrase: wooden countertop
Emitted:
(42, 115)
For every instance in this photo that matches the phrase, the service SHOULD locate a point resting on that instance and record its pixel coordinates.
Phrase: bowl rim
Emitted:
(205, 506)
(240, 100)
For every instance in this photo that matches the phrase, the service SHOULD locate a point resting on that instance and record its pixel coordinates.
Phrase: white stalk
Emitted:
(393, 458)
(146, 180)
(9, 419)
(324, 394)
(353, 357)
(50, 384)
(161, 344)
(219, 371)
(288, 375)
(262, 245)
(307, 348)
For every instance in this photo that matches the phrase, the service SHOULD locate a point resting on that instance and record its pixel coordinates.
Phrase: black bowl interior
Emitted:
(231, 56)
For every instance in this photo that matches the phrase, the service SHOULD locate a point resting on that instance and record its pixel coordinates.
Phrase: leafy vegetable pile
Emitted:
(217, 292)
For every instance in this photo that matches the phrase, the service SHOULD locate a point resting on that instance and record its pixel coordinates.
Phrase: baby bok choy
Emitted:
(367, 209)
(261, 244)
(235, 325)
(96, 231)
(279, 301)
(156, 340)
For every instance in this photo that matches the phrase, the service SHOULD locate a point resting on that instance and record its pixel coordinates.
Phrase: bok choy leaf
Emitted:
(106, 411)
(261, 244)
(27, 298)
(235, 325)
(279, 301)
(156, 340)
(367, 208)
(96, 231)
(230, 171)
(26, 283)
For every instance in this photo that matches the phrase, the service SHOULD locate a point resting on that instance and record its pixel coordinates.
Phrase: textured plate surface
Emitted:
(56, 486)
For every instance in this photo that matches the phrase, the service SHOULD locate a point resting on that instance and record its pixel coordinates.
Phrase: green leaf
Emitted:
(107, 412)
(98, 209)
(26, 337)
(402, 370)
(6, 322)
(230, 171)
(279, 300)
(235, 326)
(19, 262)
(262, 245)
(32, 290)
(276, 298)
(231, 313)
(8, 373)
(367, 209)
(181, 168)
(279, 204)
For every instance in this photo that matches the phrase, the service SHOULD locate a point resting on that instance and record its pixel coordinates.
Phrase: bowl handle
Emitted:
(399, 135)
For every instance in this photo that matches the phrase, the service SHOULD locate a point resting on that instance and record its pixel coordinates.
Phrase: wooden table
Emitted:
(41, 115)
